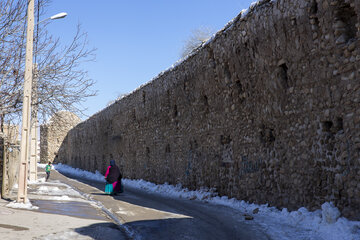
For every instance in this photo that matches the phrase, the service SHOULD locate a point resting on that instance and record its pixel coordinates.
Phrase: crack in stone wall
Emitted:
(267, 112)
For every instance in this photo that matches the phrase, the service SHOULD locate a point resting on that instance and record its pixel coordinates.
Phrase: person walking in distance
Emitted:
(113, 179)
(47, 170)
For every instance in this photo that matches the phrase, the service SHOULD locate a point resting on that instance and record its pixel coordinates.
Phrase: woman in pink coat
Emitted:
(113, 179)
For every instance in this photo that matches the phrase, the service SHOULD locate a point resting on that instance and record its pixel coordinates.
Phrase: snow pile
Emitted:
(330, 214)
(27, 205)
(302, 224)
(279, 224)
(38, 181)
(63, 198)
(170, 190)
(97, 176)
(56, 191)
(48, 190)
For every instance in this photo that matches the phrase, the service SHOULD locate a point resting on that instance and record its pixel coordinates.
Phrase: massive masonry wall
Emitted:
(268, 112)
(53, 133)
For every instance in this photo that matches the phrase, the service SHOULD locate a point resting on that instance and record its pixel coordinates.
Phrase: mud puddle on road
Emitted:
(69, 208)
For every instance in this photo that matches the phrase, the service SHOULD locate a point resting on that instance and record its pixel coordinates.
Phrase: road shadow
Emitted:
(99, 194)
(176, 228)
(163, 229)
(101, 231)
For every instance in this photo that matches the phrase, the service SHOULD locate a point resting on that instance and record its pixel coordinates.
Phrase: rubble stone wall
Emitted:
(9, 158)
(268, 112)
(53, 133)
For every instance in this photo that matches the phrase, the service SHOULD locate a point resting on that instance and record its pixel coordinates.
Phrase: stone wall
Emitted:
(268, 112)
(9, 158)
(53, 133)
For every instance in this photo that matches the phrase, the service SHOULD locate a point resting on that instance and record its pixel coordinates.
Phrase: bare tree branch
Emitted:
(198, 37)
(61, 82)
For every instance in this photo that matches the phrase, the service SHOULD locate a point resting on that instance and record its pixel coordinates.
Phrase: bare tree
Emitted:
(198, 37)
(12, 30)
(61, 82)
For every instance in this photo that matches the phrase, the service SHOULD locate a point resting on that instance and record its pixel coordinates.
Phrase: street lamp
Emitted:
(25, 129)
(54, 17)
(34, 111)
(59, 15)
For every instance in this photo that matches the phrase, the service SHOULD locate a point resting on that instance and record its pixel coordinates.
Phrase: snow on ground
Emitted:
(54, 190)
(26, 205)
(324, 223)
(57, 190)
(97, 176)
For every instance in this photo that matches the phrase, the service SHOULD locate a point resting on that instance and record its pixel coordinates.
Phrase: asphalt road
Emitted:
(143, 215)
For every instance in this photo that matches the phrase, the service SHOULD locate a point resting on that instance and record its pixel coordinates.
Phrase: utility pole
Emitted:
(34, 129)
(26, 111)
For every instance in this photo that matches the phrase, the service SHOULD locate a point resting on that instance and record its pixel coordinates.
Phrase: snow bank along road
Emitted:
(144, 215)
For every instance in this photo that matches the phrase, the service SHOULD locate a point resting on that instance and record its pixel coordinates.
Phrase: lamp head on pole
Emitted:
(59, 15)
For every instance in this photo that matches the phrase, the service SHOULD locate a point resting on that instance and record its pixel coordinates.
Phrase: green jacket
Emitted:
(48, 168)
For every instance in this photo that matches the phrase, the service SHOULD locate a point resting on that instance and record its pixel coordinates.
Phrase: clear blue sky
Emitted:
(136, 39)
